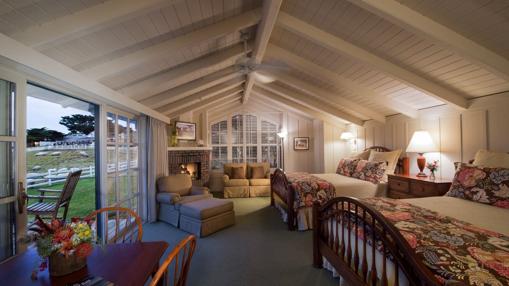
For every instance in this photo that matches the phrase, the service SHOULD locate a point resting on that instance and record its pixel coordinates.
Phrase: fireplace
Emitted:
(194, 161)
(193, 169)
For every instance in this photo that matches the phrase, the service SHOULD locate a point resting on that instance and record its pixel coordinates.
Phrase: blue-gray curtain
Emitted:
(157, 162)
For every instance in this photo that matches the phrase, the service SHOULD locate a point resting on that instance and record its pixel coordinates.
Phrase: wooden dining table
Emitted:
(128, 264)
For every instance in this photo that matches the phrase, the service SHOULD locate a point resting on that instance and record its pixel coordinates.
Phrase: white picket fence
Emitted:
(62, 147)
(54, 176)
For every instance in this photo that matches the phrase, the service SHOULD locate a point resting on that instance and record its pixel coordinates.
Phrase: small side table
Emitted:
(410, 186)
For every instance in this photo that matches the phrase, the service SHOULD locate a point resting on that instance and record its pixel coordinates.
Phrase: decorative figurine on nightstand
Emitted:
(433, 167)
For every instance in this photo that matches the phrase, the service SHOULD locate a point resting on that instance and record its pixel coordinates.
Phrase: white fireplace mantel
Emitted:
(189, 148)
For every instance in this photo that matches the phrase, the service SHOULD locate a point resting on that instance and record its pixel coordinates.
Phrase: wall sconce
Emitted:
(282, 134)
(346, 136)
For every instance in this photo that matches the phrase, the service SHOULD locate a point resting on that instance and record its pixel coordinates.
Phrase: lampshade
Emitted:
(346, 135)
(421, 142)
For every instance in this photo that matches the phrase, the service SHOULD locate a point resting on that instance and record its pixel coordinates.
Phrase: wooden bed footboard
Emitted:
(337, 224)
(282, 194)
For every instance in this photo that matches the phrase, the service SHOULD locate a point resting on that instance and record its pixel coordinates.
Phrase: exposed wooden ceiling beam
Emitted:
(293, 106)
(184, 73)
(37, 62)
(183, 101)
(224, 109)
(192, 87)
(86, 21)
(319, 72)
(224, 105)
(270, 11)
(266, 107)
(325, 94)
(337, 44)
(226, 96)
(312, 103)
(210, 109)
(416, 22)
(209, 32)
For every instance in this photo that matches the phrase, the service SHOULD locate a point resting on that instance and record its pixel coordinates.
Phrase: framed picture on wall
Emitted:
(185, 130)
(301, 143)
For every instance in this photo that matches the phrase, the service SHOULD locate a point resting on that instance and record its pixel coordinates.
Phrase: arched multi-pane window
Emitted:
(219, 141)
(270, 143)
(251, 135)
(250, 139)
(237, 145)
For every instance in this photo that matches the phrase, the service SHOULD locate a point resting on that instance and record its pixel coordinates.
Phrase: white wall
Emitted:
(457, 134)
(298, 126)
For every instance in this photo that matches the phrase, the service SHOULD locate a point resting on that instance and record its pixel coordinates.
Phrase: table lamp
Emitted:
(421, 143)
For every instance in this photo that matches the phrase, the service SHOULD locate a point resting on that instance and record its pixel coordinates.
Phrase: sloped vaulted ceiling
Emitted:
(366, 58)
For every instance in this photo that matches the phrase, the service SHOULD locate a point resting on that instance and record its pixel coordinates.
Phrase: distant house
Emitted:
(78, 139)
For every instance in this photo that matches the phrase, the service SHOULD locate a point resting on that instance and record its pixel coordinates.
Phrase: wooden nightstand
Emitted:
(409, 186)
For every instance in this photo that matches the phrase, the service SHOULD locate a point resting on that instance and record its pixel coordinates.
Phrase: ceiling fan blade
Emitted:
(267, 66)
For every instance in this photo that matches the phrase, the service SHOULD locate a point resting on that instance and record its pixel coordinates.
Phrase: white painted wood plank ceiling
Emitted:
(147, 50)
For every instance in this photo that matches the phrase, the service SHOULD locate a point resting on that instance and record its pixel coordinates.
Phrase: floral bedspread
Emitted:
(454, 250)
(309, 189)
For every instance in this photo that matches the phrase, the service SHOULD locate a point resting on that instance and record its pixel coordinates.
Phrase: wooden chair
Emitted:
(62, 199)
(184, 252)
(122, 224)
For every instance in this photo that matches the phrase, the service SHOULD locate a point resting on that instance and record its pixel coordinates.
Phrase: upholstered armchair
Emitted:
(259, 179)
(175, 190)
(236, 184)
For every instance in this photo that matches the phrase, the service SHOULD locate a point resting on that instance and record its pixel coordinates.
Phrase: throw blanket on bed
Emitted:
(309, 189)
(454, 250)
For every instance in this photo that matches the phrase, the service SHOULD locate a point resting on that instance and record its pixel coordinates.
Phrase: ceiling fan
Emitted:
(248, 66)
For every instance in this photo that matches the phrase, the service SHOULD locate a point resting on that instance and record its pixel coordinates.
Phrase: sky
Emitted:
(42, 113)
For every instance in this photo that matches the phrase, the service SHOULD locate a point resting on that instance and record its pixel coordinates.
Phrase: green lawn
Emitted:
(67, 159)
(82, 202)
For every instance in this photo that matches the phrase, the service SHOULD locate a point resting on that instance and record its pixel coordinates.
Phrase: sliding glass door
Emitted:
(122, 164)
(12, 205)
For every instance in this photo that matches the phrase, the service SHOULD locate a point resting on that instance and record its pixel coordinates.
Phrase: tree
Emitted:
(79, 124)
(43, 134)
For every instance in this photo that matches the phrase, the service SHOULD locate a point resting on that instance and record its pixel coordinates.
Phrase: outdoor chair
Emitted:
(122, 225)
(180, 260)
(61, 199)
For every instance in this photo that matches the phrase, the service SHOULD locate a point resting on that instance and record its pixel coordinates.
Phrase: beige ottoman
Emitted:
(204, 217)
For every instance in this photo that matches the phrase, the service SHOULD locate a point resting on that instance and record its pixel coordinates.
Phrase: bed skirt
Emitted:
(304, 217)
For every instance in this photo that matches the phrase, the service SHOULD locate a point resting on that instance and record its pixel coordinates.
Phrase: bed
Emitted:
(283, 194)
(443, 240)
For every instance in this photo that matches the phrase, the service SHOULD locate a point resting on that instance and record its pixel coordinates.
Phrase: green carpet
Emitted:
(257, 250)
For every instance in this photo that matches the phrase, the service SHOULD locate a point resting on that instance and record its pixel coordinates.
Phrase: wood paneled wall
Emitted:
(298, 126)
(457, 134)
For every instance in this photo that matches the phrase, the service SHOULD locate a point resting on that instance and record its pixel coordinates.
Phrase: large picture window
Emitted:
(251, 139)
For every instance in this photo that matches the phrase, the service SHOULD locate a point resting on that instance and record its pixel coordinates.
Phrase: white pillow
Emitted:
(491, 159)
(364, 155)
(390, 157)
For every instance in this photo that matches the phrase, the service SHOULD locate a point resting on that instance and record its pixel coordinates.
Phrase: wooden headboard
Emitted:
(403, 166)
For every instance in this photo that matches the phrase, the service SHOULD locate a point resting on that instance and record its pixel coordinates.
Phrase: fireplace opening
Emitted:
(192, 169)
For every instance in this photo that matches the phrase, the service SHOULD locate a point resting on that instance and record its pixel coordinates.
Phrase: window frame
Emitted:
(219, 145)
(245, 145)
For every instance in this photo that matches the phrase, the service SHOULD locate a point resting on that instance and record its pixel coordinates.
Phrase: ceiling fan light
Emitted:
(263, 78)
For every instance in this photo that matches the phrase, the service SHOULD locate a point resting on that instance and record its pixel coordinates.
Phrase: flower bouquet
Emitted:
(66, 246)
(433, 167)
